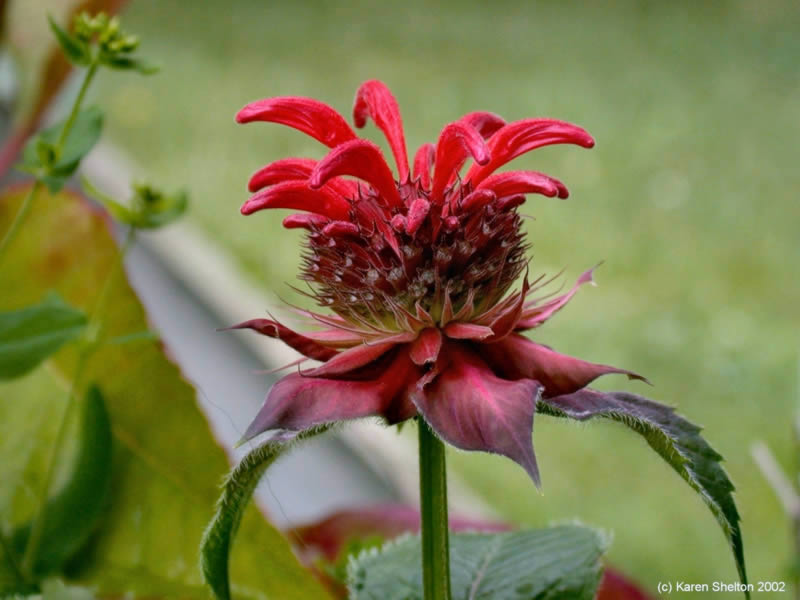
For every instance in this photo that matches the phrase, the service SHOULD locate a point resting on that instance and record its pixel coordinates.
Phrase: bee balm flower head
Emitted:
(416, 268)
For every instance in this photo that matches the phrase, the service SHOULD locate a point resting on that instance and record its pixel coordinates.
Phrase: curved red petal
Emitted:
(485, 123)
(456, 143)
(417, 213)
(362, 159)
(373, 99)
(423, 162)
(355, 358)
(308, 221)
(523, 136)
(523, 182)
(310, 116)
(517, 357)
(297, 195)
(425, 349)
(533, 316)
(298, 402)
(471, 408)
(305, 346)
(475, 200)
(293, 169)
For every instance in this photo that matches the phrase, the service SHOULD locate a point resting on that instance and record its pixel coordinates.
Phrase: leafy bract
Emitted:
(76, 50)
(675, 439)
(166, 465)
(29, 335)
(556, 563)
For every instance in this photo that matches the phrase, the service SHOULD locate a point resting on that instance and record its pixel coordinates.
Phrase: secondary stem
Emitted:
(76, 106)
(433, 509)
(22, 213)
(94, 326)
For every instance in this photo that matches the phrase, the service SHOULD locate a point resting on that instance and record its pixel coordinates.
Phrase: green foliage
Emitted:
(114, 46)
(676, 440)
(54, 164)
(74, 48)
(149, 208)
(31, 334)
(74, 509)
(557, 563)
(237, 489)
(165, 462)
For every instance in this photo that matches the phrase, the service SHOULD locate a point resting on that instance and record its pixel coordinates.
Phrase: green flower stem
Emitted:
(93, 328)
(23, 211)
(433, 509)
(90, 73)
(19, 218)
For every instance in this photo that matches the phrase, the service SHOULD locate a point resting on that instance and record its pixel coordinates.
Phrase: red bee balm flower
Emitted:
(417, 270)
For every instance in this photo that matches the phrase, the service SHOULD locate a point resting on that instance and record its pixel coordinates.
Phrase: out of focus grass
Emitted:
(690, 196)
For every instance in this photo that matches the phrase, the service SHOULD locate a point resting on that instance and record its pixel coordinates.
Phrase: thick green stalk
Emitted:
(433, 509)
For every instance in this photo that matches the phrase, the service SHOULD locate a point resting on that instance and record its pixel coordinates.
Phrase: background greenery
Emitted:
(690, 196)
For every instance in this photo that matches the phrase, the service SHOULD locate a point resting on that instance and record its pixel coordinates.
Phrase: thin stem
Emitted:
(19, 218)
(76, 106)
(94, 327)
(433, 509)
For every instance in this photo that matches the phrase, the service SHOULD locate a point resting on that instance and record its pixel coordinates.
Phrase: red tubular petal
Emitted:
(423, 161)
(485, 123)
(310, 116)
(425, 349)
(373, 99)
(417, 213)
(471, 408)
(476, 200)
(341, 229)
(523, 136)
(305, 346)
(304, 221)
(298, 402)
(523, 182)
(467, 331)
(517, 357)
(362, 159)
(293, 169)
(456, 143)
(296, 195)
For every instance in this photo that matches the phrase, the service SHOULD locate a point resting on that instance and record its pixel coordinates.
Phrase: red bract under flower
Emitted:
(416, 269)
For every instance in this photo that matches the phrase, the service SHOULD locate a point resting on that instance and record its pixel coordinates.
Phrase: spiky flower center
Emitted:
(453, 260)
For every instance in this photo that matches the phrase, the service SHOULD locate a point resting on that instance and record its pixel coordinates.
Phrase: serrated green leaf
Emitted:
(77, 51)
(31, 334)
(84, 480)
(546, 564)
(237, 489)
(166, 464)
(675, 439)
(128, 63)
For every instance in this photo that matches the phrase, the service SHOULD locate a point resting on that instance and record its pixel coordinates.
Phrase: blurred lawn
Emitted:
(690, 196)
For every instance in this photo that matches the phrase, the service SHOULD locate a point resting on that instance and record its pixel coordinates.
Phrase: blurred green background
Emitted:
(690, 197)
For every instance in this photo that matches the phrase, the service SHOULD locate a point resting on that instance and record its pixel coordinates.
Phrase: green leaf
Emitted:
(31, 334)
(166, 465)
(55, 589)
(150, 208)
(82, 137)
(237, 489)
(121, 213)
(547, 564)
(84, 476)
(128, 63)
(675, 439)
(77, 51)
